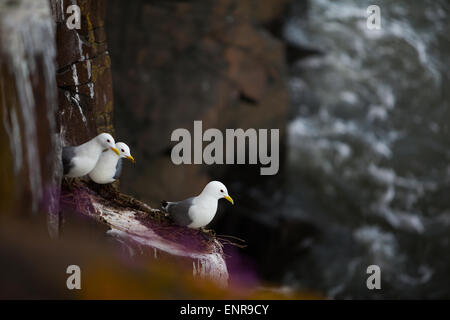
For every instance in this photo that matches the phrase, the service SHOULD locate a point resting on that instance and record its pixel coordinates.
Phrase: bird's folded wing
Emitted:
(118, 169)
(179, 211)
(67, 155)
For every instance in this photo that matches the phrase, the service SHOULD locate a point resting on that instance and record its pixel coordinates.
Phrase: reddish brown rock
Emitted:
(176, 62)
(84, 72)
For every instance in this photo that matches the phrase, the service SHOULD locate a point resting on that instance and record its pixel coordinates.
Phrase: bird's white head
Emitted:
(107, 142)
(124, 151)
(217, 190)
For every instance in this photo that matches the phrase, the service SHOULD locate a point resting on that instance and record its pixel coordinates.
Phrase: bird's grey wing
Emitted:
(179, 211)
(68, 153)
(118, 169)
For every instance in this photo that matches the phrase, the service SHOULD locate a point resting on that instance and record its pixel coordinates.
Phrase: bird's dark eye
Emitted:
(108, 140)
(221, 190)
(122, 150)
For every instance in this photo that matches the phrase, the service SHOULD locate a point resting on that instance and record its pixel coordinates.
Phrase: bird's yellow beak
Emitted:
(116, 151)
(229, 199)
(131, 158)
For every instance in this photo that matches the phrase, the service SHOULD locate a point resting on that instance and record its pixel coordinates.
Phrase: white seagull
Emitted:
(199, 211)
(109, 166)
(80, 160)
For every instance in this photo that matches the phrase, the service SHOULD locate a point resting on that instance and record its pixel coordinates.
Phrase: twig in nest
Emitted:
(209, 232)
(225, 239)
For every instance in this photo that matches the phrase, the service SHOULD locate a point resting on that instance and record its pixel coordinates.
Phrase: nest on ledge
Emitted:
(144, 224)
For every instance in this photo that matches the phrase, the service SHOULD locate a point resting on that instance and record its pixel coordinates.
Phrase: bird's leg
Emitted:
(209, 232)
(114, 186)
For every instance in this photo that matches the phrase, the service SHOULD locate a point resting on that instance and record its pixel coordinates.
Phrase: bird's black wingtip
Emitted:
(164, 204)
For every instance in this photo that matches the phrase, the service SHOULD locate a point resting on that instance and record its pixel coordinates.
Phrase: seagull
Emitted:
(80, 160)
(197, 212)
(109, 166)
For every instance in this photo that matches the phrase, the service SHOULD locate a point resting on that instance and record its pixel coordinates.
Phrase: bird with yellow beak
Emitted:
(80, 160)
(197, 212)
(109, 166)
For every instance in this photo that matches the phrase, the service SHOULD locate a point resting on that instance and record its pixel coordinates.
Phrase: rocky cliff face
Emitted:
(176, 62)
(86, 107)
(56, 89)
(222, 62)
(83, 72)
(172, 63)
